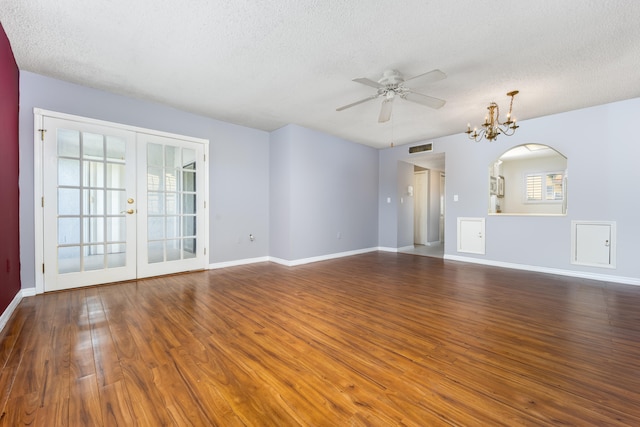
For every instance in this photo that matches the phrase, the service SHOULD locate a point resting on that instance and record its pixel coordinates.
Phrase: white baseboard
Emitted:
(558, 271)
(292, 263)
(28, 292)
(6, 315)
(386, 249)
(237, 262)
(302, 261)
(434, 243)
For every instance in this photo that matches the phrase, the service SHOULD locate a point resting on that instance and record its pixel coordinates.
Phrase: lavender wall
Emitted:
(238, 163)
(602, 154)
(327, 192)
(280, 142)
(9, 214)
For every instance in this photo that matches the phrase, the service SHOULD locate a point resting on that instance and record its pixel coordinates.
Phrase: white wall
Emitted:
(434, 206)
(514, 172)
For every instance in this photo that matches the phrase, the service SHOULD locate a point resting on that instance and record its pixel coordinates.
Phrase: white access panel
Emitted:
(471, 235)
(593, 243)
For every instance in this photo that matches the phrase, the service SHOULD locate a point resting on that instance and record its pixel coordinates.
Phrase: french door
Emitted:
(118, 203)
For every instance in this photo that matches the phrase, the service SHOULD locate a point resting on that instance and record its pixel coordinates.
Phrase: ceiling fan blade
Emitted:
(429, 77)
(368, 82)
(385, 110)
(419, 98)
(356, 103)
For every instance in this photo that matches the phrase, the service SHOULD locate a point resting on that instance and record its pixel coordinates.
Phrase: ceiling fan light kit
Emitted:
(392, 86)
(492, 126)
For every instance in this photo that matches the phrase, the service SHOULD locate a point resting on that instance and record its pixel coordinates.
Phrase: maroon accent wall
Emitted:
(9, 193)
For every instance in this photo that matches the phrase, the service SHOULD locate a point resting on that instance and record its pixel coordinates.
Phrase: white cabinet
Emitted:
(593, 243)
(471, 235)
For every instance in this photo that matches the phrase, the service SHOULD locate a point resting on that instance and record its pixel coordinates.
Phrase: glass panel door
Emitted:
(89, 204)
(172, 201)
(119, 204)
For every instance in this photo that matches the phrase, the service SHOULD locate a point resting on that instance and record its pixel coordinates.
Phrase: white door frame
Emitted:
(38, 163)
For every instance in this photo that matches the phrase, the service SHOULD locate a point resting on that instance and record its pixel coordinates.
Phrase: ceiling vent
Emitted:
(421, 148)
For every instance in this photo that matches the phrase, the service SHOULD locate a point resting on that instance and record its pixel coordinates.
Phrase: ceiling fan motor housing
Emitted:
(391, 78)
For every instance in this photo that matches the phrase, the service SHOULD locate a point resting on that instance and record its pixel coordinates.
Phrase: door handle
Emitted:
(128, 211)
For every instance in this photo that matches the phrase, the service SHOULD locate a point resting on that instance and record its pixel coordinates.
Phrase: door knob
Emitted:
(128, 211)
(130, 200)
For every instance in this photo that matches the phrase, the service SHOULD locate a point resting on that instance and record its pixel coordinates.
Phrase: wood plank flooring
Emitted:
(377, 339)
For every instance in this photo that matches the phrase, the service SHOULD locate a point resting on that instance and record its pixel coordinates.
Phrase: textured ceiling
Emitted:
(270, 63)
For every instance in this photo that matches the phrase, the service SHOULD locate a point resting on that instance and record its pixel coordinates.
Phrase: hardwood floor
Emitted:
(376, 339)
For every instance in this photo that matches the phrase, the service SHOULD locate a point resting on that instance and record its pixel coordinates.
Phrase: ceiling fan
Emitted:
(392, 85)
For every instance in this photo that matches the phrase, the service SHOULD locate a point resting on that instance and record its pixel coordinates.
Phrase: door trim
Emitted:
(38, 163)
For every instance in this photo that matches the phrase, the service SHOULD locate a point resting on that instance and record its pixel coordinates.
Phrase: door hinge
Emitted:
(43, 268)
(42, 131)
(204, 156)
(42, 201)
(205, 204)
(205, 251)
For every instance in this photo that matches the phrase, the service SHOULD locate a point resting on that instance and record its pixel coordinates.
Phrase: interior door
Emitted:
(89, 204)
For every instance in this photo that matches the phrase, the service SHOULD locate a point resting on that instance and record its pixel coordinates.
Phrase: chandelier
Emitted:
(492, 127)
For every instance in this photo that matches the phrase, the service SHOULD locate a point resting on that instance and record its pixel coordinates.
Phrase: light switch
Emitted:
(388, 199)
(455, 197)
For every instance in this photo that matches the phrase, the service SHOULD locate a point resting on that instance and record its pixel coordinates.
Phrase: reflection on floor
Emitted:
(436, 250)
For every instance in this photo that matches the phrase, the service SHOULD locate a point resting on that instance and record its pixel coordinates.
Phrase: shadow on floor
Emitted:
(436, 250)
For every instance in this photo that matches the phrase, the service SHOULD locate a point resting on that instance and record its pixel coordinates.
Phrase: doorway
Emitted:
(118, 203)
(428, 205)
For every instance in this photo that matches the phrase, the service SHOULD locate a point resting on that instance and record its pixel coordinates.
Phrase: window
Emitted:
(544, 187)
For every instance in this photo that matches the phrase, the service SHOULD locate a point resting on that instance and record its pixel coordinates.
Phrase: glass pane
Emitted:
(189, 226)
(189, 249)
(69, 172)
(68, 143)
(188, 181)
(171, 180)
(116, 229)
(93, 174)
(188, 158)
(155, 228)
(116, 255)
(68, 231)
(115, 175)
(94, 258)
(155, 252)
(173, 227)
(172, 157)
(173, 250)
(93, 201)
(93, 146)
(69, 259)
(172, 203)
(116, 202)
(116, 148)
(68, 201)
(155, 203)
(189, 203)
(93, 231)
(154, 155)
(155, 181)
